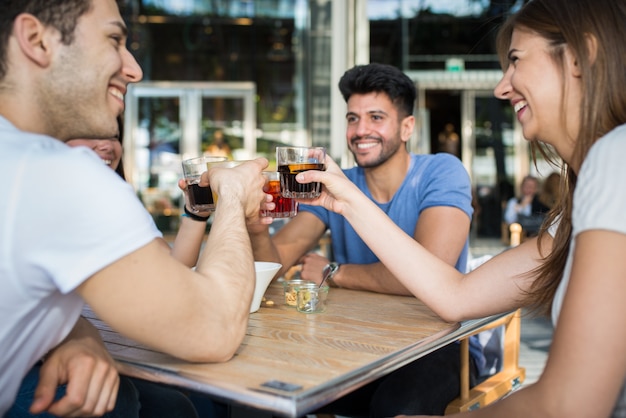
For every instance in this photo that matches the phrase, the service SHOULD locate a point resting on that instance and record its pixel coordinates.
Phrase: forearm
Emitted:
(451, 294)
(406, 260)
(262, 246)
(203, 312)
(371, 277)
(188, 241)
(232, 277)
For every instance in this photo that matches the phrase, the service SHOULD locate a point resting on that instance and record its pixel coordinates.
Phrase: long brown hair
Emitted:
(592, 31)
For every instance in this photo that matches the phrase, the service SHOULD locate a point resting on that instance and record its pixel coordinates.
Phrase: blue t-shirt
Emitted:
(432, 180)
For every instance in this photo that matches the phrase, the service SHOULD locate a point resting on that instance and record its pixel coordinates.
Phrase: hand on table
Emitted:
(82, 362)
(312, 266)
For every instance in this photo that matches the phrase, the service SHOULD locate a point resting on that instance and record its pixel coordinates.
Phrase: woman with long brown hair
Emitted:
(564, 76)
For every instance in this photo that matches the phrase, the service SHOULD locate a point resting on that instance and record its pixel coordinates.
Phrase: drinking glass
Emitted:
(285, 207)
(293, 160)
(311, 298)
(200, 197)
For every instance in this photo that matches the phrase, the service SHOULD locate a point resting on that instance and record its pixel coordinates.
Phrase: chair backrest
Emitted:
(510, 377)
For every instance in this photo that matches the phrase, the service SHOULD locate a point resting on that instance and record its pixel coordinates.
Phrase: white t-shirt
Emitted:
(599, 199)
(599, 203)
(64, 215)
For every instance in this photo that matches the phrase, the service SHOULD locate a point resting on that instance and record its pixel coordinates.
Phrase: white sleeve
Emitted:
(600, 196)
(82, 218)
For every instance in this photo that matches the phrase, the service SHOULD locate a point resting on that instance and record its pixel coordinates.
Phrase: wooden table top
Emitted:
(291, 363)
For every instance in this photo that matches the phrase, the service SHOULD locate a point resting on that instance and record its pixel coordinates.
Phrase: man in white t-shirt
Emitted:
(64, 70)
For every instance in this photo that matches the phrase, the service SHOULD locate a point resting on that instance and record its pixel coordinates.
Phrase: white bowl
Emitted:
(265, 271)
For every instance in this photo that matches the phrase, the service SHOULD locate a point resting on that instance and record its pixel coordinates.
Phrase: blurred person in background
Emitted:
(527, 209)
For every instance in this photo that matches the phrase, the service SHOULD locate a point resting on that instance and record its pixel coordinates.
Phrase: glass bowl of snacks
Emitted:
(311, 297)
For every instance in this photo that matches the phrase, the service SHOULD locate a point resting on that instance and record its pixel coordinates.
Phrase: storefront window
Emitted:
(260, 41)
(426, 34)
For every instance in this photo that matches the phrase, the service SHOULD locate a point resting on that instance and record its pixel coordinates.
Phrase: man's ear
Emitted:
(33, 38)
(406, 128)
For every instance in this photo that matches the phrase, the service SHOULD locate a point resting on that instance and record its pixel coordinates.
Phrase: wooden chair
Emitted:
(496, 386)
(511, 232)
(509, 378)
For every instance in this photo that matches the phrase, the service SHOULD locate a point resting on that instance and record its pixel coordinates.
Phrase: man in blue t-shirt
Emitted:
(428, 196)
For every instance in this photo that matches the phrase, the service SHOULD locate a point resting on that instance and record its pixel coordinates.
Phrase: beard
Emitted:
(388, 149)
(74, 107)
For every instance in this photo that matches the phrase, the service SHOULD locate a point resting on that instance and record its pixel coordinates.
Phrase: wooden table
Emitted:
(292, 363)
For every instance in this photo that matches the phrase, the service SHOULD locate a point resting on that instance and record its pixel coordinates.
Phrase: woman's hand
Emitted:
(182, 185)
(339, 194)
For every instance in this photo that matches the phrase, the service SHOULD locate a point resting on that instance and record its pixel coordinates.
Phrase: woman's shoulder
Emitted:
(613, 141)
(605, 157)
(600, 198)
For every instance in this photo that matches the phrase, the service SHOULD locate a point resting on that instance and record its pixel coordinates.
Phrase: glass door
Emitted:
(495, 155)
(166, 122)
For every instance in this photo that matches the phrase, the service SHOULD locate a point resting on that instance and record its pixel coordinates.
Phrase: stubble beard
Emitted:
(73, 105)
(389, 149)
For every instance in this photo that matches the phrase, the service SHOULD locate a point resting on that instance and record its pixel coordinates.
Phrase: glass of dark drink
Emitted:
(293, 160)
(200, 197)
(285, 206)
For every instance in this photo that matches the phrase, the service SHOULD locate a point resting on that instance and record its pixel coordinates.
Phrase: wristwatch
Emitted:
(329, 272)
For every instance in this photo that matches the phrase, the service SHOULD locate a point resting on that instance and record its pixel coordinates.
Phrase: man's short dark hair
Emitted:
(363, 79)
(60, 14)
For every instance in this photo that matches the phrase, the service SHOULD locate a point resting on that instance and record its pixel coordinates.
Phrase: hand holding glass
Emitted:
(294, 160)
(285, 206)
(200, 197)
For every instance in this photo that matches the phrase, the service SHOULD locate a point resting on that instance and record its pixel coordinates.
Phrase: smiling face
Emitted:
(109, 150)
(545, 96)
(375, 130)
(84, 91)
(529, 186)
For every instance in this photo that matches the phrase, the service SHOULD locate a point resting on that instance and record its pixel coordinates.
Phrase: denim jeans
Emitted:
(135, 399)
(127, 404)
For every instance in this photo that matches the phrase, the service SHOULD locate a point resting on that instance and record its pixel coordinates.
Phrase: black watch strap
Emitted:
(195, 217)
